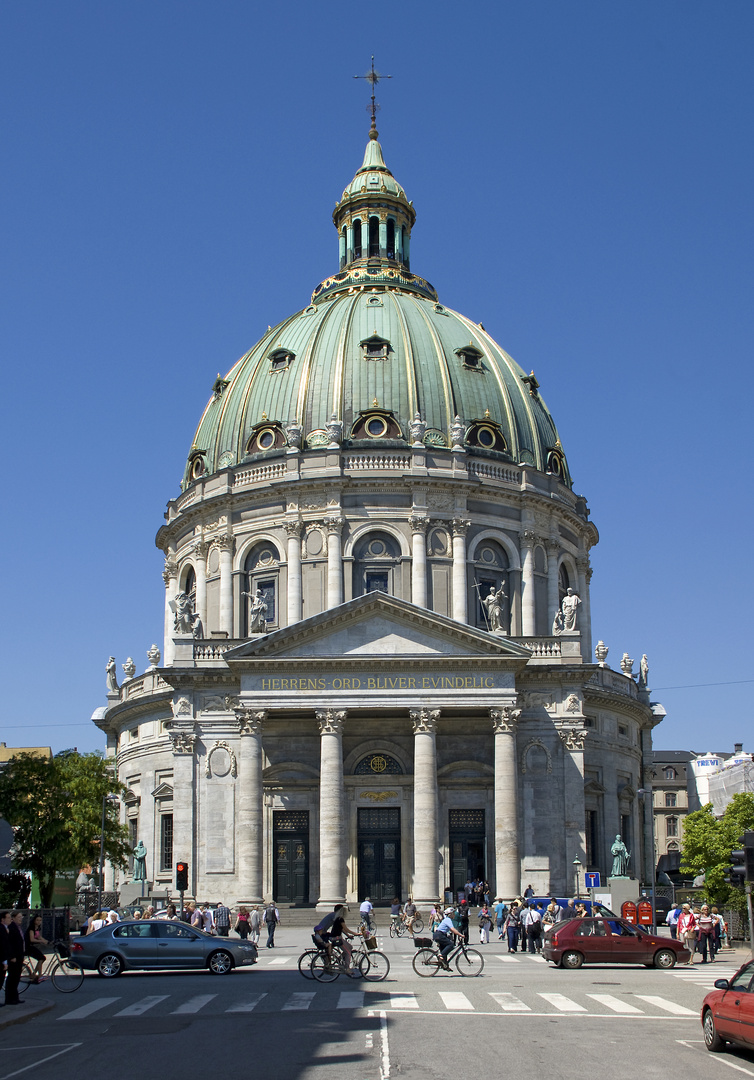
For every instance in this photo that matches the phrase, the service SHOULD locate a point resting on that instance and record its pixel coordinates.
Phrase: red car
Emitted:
(728, 1011)
(609, 941)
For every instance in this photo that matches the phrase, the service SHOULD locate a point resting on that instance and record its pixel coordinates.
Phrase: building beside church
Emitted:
(377, 672)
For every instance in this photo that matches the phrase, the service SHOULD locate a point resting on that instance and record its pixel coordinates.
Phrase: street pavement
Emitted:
(520, 1014)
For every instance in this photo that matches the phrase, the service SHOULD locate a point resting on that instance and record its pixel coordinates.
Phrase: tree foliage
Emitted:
(708, 842)
(55, 810)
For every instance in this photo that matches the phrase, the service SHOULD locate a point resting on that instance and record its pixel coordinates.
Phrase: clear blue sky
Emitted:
(582, 174)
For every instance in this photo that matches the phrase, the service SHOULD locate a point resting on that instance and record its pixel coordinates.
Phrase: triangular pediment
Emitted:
(377, 626)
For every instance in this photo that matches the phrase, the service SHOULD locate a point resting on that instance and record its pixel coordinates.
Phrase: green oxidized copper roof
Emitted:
(374, 175)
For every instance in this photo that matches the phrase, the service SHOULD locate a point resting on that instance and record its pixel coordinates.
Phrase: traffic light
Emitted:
(181, 876)
(748, 842)
(742, 868)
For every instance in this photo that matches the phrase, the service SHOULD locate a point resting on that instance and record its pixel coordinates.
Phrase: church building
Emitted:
(377, 675)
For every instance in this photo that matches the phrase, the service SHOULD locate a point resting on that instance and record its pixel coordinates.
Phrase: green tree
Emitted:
(55, 810)
(708, 842)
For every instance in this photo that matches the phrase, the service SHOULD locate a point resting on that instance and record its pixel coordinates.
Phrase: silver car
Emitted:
(150, 944)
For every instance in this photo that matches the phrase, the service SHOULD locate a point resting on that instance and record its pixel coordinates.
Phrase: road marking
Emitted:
(508, 959)
(140, 1007)
(91, 1007)
(351, 999)
(668, 1006)
(614, 1003)
(194, 1004)
(510, 1003)
(563, 1003)
(455, 1000)
(246, 1006)
(278, 961)
(297, 1002)
(384, 1048)
(693, 1044)
(36, 1064)
(403, 1001)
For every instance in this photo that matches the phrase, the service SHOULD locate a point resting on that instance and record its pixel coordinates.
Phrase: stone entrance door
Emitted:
(291, 865)
(467, 847)
(379, 853)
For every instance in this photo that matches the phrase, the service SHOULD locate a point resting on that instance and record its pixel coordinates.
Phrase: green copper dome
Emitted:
(377, 356)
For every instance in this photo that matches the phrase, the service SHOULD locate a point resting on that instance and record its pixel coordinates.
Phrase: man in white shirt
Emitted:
(532, 920)
(365, 911)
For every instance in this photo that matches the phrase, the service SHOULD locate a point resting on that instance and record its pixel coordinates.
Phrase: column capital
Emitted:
(552, 546)
(250, 720)
(224, 542)
(200, 549)
(334, 523)
(183, 742)
(504, 720)
(529, 538)
(419, 523)
(424, 721)
(293, 528)
(582, 564)
(171, 569)
(460, 526)
(331, 721)
(573, 738)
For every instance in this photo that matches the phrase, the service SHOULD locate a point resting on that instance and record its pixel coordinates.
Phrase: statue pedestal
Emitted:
(133, 891)
(622, 889)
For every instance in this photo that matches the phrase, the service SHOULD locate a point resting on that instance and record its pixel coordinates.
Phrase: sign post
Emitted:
(592, 882)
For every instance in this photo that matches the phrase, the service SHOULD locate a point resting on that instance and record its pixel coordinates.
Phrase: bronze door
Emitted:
(379, 853)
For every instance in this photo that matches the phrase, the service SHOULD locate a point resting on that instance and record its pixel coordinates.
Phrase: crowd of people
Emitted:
(702, 929)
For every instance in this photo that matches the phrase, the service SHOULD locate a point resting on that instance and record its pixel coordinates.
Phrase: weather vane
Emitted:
(373, 77)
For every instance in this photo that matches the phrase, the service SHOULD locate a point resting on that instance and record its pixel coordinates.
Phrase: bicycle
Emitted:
(65, 974)
(428, 959)
(398, 927)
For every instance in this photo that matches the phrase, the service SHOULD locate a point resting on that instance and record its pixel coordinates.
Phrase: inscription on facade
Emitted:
(378, 682)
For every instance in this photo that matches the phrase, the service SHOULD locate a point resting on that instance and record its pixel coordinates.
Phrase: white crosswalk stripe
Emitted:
(510, 1003)
(351, 999)
(455, 1000)
(668, 1006)
(403, 1001)
(563, 1003)
(509, 959)
(246, 1006)
(278, 961)
(614, 1003)
(194, 1004)
(299, 1001)
(140, 1007)
(89, 1009)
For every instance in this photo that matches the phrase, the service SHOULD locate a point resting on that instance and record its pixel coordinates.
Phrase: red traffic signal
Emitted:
(181, 876)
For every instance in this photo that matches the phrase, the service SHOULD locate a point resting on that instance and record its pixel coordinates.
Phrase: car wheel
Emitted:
(109, 965)
(712, 1040)
(220, 962)
(572, 960)
(665, 958)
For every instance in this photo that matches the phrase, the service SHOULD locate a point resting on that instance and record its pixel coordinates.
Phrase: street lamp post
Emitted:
(643, 793)
(577, 868)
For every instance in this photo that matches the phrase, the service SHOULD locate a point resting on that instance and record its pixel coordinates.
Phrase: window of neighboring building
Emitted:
(670, 773)
(166, 842)
(672, 846)
(671, 826)
(670, 798)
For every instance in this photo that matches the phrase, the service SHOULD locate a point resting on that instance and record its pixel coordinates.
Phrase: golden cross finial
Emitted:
(373, 77)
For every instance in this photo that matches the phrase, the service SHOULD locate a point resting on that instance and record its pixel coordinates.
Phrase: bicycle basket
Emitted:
(371, 942)
(423, 942)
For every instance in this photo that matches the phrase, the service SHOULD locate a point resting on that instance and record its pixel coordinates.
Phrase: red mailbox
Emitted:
(644, 912)
(628, 911)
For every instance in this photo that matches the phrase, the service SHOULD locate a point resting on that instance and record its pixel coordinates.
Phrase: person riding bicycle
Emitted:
(396, 911)
(365, 911)
(333, 928)
(409, 914)
(442, 936)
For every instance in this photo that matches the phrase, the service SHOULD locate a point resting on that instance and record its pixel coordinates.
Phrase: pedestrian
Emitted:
(500, 912)
(15, 957)
(444, 934)
(532, 921)
(551, 913)
(197, 919)
(706, 932)
(468, 890)
(242, 927)
(33, 942)
(271, 919)
(512, 926)
(528, 892)
(718, 929)
(485, 924)
(672, 918)
(171, 914)
(687, 930)
(222, 919)
(255, 923)
(365, 911)
(96, 922)
(478, 895)
(149, 913)
(409, 914)
(463, 920)
(4, 946)
(208, 919)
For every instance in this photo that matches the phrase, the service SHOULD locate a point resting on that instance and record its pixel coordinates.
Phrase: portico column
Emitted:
(293, 529)
(225, 545)
(183, 741)
(507, 863)
(574, 814)
(553, 583)
(527, 599)
(426, 857)
(332, 808)
(170, 577)
(200, 566)
(250, 807)
(334, 526)
(460, 609)
(418, 525)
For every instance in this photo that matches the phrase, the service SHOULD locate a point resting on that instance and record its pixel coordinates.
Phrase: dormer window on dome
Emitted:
(376, 423)
(556, 463)
(471, 357)
(375, 347)
(486, 434)
(265, 436)
(197, 464)
(280, 359)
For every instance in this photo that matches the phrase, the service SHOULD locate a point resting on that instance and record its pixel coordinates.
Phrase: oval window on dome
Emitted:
(376, 427)
(266, 439)
(197, 468)
(486, 436)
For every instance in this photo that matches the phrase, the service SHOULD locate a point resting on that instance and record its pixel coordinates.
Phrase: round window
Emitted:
(197, 468)
(376, 548)
(488, 555)
(376, 427)
(486, 436)
(266, 439)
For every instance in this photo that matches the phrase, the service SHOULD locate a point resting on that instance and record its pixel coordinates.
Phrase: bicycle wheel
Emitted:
(305, 962)
(426, 963)
(27, 978)
(323, 970)
(67, 976)
(393, 928)
(374, 966)
(418, 925)
(469, 962)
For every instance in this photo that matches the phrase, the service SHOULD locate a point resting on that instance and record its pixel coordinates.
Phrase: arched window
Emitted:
(190, 585)
(390, 238)
(374, 236)
(343, 247)
(376, 559)
(261, 575)
(672, 846)
(564, 581)
(357, 238)
(490, 573)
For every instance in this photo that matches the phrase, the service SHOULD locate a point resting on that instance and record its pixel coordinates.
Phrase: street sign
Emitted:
(592, 881)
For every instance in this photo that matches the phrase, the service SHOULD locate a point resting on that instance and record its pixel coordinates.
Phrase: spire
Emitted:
(373, 77)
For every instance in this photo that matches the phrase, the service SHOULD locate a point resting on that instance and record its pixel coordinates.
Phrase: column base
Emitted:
(253, 902)
(324, 905)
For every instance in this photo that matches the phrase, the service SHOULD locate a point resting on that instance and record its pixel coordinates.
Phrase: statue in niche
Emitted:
(186, 621)
(257, 612)
(112, 676)
(140, 862)
(570, 607)
(494, 602)
(620, 854)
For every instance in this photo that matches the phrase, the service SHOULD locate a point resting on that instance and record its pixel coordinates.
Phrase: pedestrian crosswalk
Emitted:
(426, 1000)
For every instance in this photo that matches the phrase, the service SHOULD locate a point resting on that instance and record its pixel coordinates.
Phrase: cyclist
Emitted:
(396, 911)
(365, 911)
(333, 928)
(442, 936)
(409, 914)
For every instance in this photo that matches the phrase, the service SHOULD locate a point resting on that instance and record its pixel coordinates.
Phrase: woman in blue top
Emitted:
(442, 935)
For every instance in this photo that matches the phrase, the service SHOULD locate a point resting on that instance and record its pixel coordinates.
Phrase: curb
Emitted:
(25, 1013)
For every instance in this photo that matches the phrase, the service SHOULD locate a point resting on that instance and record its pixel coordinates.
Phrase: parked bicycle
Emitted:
(428, 959)
(65, 974)
(398, 927)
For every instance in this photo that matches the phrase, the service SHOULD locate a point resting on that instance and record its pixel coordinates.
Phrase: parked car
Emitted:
(728, 1011)
(595, 908)
(151, 944)
(609, 941)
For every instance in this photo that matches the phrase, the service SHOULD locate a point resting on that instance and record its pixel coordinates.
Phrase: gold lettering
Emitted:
(336, 684)
(425, 682)
(356, 684)
(488, 681)
(411, 683)
(402, 684)
(266, 684)
(276, 684)
(371, 684)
